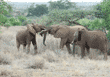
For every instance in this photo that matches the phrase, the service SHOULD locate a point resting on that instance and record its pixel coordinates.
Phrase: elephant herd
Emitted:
(75, 35)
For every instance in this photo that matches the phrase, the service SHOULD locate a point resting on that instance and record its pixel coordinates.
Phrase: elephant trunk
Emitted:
(45, 32)
(44, 38)
(73, 48)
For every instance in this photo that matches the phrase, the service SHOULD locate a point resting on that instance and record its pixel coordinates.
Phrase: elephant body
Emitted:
(27, 36)
(91, 39)
(66, 33)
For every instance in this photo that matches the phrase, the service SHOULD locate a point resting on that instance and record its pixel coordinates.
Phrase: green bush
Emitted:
(15, 21)
(22, 18)
(8, 23)
(12, 19)
(92, 24)
(3, 19)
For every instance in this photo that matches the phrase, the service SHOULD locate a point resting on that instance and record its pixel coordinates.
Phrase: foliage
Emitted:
(95, 24)
(8, 23)
(15, 21)
(5, 8)
(105, 10)
(65, 15)
(3, 19)
(98, 12)
(61, 4)
(38, 10)
(29, 21)
(22, 18)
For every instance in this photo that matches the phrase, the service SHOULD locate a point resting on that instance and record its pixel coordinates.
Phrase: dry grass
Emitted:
(50, 60)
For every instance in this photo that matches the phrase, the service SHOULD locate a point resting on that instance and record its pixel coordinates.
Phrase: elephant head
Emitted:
(35, 28)
(56, 30)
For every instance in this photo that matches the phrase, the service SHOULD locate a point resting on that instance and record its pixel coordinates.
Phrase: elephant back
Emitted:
(78, 26)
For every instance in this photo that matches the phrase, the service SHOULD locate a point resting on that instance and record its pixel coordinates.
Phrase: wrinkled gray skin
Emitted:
(91, 39)
(27, 36)
(66, 33)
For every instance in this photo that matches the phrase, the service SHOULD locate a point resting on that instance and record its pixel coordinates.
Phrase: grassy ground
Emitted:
(49, 62)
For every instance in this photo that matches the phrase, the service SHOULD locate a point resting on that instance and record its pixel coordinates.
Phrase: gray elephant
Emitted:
(91, 39)
(25, 37)
(64, 32)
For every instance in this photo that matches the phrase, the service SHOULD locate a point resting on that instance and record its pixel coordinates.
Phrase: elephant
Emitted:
(66, 33)
(95, 39)
(25, 37)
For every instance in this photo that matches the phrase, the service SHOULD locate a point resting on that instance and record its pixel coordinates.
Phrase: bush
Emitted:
(8, 23)
(15, 21)
(12, 19)
(22, 18)
(92, 24)
(3, 19)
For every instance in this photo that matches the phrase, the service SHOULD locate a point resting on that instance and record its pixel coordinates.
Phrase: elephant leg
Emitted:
(28, 49)
(88, 50)
(24, 47)
(17, 44)
(82, 51)
(62, 43)
(68, 48)
(35, 45)
(105, 54)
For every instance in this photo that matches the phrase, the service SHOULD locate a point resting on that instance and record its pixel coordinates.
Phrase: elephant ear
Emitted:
(31, 29)
(80, 32)
(77, 35)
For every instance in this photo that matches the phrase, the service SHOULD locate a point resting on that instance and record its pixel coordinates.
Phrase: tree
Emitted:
(105, 10)
(61, 4)
(5, 10)
(98, 12)
(38, 10)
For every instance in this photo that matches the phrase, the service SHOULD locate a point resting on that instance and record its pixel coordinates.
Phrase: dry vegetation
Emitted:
(50, 60)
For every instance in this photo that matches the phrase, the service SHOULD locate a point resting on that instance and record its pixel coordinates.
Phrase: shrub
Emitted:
(22, 18)
(8, 23)
(15, 21)
(3, 19)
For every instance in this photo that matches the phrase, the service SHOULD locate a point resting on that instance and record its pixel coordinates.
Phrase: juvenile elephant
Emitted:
(66, 34)
(91, 39)
(25, 37)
